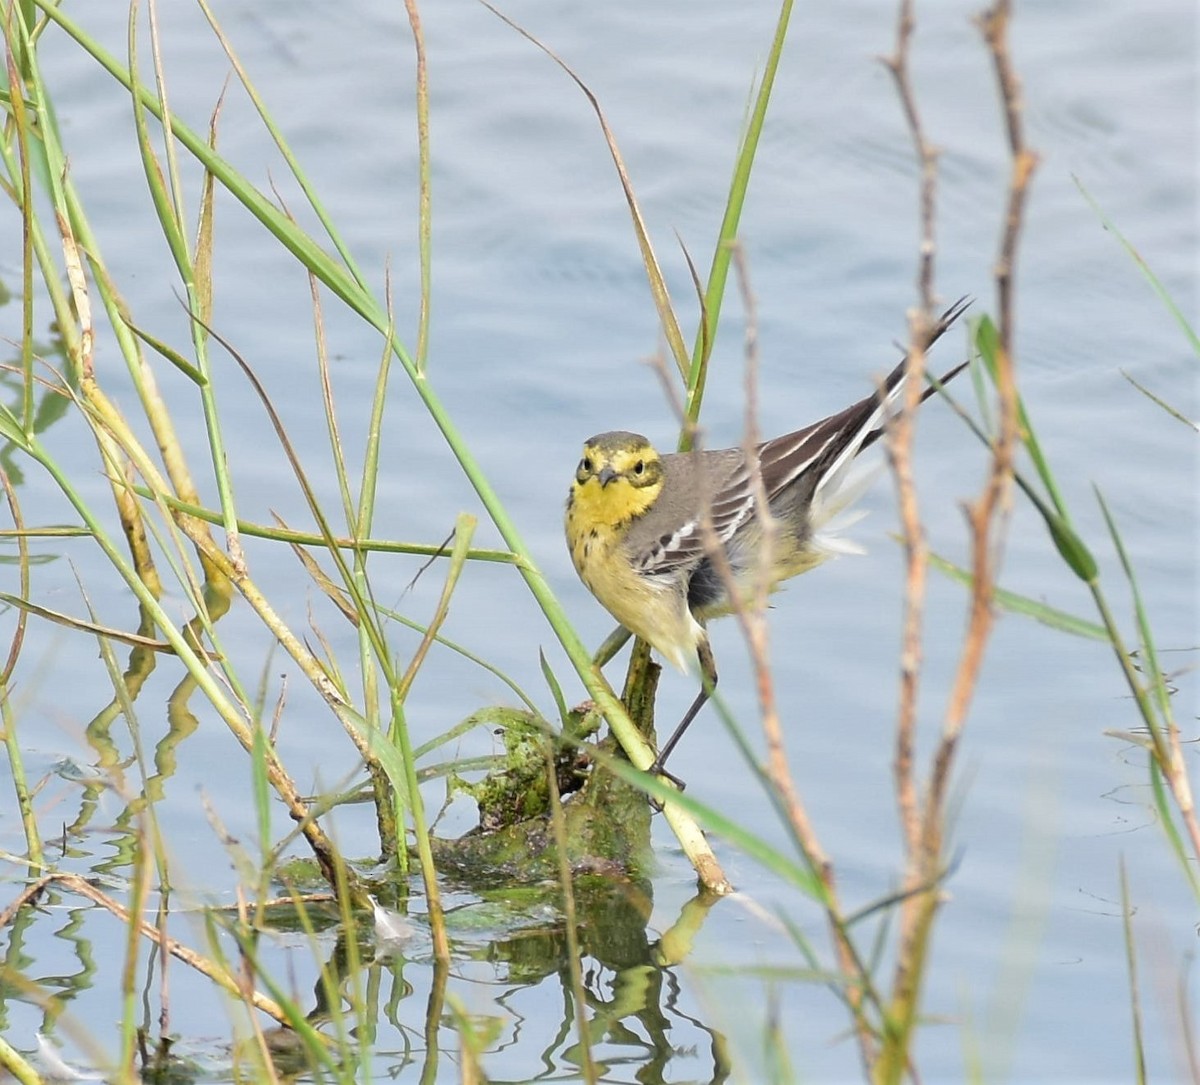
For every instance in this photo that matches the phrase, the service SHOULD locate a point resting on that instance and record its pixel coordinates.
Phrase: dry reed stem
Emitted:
(128, 509)
(987, 519)
(18, 638)
(201, 964)
(899, 450)
(988, 516)
(751, 616)
(1175, 771)
(751, 613)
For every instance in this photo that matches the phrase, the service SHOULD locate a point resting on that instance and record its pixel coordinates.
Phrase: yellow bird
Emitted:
(634, 524)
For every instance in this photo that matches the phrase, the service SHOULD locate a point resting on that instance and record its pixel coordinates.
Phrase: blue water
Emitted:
(541, 327)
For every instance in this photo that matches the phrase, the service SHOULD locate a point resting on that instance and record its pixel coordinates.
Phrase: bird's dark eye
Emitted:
(585, 465)
(639, 468)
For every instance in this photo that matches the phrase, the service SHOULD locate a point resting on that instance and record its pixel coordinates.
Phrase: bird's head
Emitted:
(619, 477)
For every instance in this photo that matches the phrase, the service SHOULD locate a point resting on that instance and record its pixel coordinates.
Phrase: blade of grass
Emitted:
(21, 128)
(1029, 608)
(281, 145)
(1135, 1005)
(173, 356)
(134, 640)
(744, 840)
(718, 274)
(1143, 267)
(556, 692)
(12, 744)
(987, 342)
(282, 533)
(658, 284)
(424, 216)
(575, 953)
(463, 530)
(1177, 415)
(1154, 700)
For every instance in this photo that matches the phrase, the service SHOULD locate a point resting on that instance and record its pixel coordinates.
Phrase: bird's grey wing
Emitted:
(696, 481)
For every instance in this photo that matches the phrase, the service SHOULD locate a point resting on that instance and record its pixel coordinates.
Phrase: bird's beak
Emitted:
(606, 475)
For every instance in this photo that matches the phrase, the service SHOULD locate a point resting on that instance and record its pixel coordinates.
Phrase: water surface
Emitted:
(542, 323)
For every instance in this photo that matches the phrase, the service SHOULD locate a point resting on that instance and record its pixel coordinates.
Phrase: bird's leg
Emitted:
(708, 682)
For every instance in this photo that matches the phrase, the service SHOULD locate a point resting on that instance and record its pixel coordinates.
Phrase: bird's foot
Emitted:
(657, 770)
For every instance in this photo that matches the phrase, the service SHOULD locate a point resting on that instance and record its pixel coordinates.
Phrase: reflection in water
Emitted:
(505, 998)
(511, 958)
(510, 944)
(181, 724)
(49, 408)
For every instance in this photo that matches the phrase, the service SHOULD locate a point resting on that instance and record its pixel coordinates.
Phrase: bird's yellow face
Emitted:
(619, 477)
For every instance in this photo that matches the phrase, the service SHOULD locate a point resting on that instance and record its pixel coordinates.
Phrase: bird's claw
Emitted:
(657, 770)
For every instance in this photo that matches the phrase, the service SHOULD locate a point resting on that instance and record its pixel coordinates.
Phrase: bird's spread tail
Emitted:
(839, 486)
(834, 512)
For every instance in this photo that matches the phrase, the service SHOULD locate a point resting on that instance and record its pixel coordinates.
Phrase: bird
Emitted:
(635, 524)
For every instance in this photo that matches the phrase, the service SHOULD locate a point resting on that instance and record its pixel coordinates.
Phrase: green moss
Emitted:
(607, 821)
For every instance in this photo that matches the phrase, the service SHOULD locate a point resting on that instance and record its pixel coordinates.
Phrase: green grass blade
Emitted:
(424, 216)
(555, 689)
(25, 137)
(261, 792)
(719, 272)
(1162, 806)
(746, 841)
(987, 342)
(1154, 675)
(163, 202)
(171, 355)
(1143, 267)
(281, 145)
(1029, 608)
(1135, 1004)
(1177, 415)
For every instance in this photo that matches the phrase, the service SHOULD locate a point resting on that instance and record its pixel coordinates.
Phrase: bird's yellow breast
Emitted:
(597, 521)
(598, 518)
